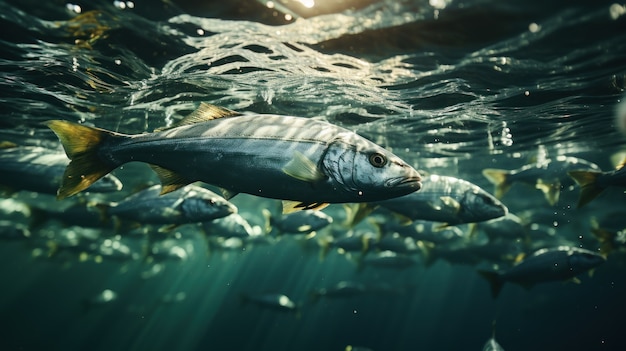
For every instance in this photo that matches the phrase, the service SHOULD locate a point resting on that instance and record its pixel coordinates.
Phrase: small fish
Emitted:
(114, 250)
(420, 230)
(169, 250)
(82, 214)
(279, 302)
(397, 243)
(301, 222)
(189, 204)
(509, 227)
(104, 297)
(343, 289)
(305, 162)
(471, 253)
(545, 265)
(72, 241)
(353, 241)
(594, 182)
(348, 289)
(549, 176)
(492, 344)
(442, 199)
(389, 259)
(231, 226)
(357, 348)
(41, 170)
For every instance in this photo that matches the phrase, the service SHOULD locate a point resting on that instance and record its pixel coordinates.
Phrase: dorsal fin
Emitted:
(204, 112)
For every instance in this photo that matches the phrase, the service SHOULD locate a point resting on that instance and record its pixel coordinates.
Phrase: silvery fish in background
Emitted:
(549, 176)
(449, 200)
(302, 222)
(306, 163)
(231, 226)
(545, 265)
(442, 199)
(40, 170)
(190, 204)
(272, 301)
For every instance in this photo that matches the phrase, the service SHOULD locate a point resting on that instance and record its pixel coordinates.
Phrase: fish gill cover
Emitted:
(452, 87)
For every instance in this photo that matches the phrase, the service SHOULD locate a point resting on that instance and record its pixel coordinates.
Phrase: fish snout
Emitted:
(412, 180)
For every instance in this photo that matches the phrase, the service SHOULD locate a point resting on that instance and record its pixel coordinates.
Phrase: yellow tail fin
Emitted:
(588, 186)
(81, 144)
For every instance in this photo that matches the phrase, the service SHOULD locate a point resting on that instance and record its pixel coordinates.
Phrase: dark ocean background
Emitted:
(452, 87)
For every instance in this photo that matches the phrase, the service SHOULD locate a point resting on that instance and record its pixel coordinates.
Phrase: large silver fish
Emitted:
(308, 162)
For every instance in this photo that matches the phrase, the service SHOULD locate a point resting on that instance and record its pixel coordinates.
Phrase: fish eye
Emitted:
(378, 160)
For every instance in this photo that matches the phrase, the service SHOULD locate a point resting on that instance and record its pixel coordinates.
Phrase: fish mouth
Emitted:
(413, 182)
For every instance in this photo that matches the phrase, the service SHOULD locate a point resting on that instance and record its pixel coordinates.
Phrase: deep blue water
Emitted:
(452, 87)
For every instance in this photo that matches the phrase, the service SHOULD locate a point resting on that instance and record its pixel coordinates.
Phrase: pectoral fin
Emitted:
(302, 168)
(355, 213)
(228, 194)
(451, 203)
(170, 180)
(294, 206)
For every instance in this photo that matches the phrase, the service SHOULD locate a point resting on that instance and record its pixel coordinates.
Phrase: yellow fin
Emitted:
(618, 160)
(499, 178)
(302, 168)
(294, 206)
(551, 191)
(267, 216)
(355, 213)
(472, 231)
(228, 194)
(204, 112)
(450, 202)
(170, 181)
(519, 258)
(441, 226)
(81, 144)
(7, 144)
(588, 186)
